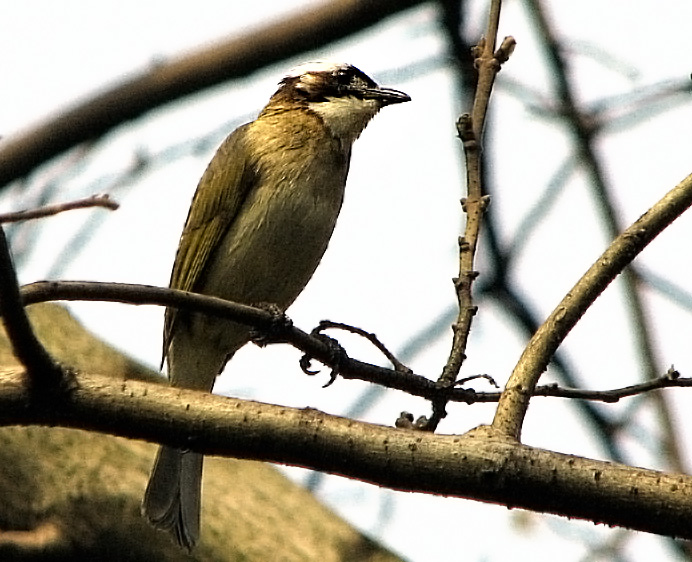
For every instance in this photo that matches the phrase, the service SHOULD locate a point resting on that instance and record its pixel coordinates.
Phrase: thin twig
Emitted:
(101, 200)
(470, 128)
(315, 347)
(670, 379)
(488, 378)
(416, 385)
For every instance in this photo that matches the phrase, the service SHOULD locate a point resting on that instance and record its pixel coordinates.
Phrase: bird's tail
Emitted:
(172, 498)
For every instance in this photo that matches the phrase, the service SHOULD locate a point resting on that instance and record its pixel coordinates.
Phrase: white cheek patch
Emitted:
(345, 117)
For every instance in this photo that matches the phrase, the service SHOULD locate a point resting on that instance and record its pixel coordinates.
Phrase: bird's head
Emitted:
(342, 95)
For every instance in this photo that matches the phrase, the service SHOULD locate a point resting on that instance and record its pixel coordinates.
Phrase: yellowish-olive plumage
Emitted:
(258, 226)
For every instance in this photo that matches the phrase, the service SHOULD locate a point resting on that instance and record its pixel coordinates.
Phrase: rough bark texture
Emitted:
(75, 495)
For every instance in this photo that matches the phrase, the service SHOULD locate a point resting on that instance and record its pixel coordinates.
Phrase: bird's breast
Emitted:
(278, 237)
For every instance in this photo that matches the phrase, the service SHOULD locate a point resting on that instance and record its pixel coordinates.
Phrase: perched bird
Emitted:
(257, 228)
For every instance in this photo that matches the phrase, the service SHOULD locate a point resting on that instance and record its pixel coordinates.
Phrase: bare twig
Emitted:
(102, 200)
(470, 128)
(260, 319)
(413, 384)
(534, 360)
(25, 345)
(670, 379)
(488, 378)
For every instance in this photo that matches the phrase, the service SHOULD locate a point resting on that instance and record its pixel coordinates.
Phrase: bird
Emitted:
(258, 226)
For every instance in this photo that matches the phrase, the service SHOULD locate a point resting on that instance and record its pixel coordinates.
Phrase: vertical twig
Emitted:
(470, 128)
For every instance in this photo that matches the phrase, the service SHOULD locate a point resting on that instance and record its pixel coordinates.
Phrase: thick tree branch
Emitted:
(170, 80)
(480, 465)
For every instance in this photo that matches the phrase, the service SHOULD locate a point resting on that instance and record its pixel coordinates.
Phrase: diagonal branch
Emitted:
(26, 347)
(585, 136)
(512, 407)
(349, 368)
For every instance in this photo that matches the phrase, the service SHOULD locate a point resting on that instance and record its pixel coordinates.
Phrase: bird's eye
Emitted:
(343, 77)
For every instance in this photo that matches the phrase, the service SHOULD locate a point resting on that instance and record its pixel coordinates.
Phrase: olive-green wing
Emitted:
(219, 196)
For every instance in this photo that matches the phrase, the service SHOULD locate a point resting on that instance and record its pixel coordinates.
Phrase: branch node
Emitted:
(275, 330)
(465, 130)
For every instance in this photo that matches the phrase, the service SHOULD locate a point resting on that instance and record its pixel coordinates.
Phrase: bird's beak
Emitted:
(386, 96)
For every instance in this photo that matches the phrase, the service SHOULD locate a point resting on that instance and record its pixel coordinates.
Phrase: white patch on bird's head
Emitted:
(317, 66)
(326, 78)
(327, 88)
(342, 95)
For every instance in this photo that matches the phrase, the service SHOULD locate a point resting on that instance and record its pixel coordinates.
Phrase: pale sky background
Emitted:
(389, 265)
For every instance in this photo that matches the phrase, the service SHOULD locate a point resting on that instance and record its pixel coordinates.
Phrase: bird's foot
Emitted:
(275, 330)
(336, 356)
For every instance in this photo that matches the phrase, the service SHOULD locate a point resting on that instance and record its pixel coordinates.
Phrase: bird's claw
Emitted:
(337, 355)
